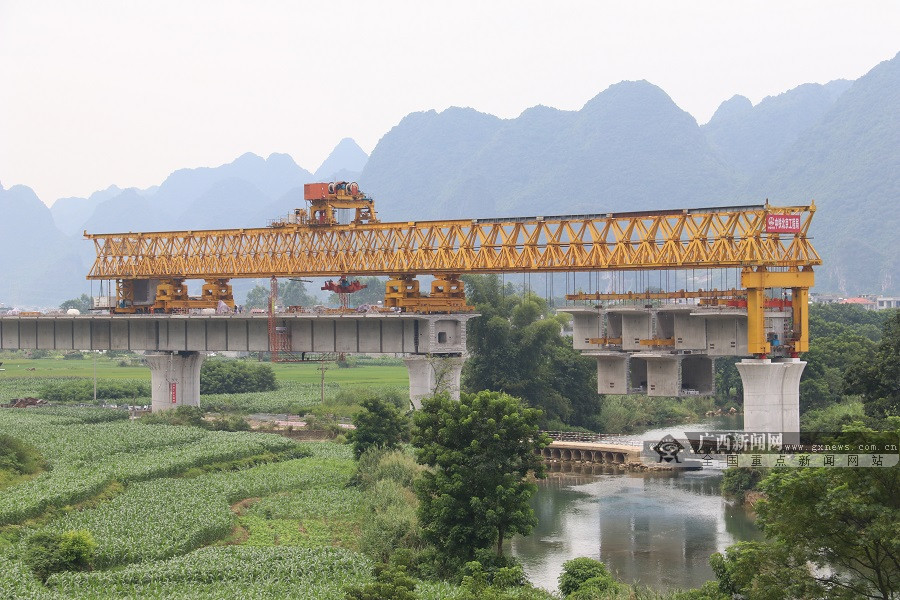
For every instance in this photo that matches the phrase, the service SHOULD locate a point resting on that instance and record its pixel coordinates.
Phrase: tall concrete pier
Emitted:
(174, 379)
(771, 394)
(430, 375)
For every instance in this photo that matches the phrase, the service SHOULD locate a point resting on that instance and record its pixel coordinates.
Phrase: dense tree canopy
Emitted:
(848, 519)
(293, 293)
(517, 347)
(236, 377)
(378, 425)
(257, 297)
(877, 375)
(481, 449)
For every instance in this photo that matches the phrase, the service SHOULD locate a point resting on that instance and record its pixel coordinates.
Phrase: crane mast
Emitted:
(769, 244)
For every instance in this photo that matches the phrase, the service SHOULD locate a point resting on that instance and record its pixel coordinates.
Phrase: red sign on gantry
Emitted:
(174, 388)
(776, 223)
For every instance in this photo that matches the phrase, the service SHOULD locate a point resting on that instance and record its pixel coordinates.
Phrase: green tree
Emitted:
(236, 377)
(827, 363)
(846, 519)
(258, 297)
(293, 293)
(83, 303)
(763, 571)
(517, 347)
(728, 381)
(47, 553)
(378, 425)
(480, 449)
(877, 377)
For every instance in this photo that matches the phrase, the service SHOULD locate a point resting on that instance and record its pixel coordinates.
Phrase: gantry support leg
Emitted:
(435, 374)
(174, 379)
(757, 281)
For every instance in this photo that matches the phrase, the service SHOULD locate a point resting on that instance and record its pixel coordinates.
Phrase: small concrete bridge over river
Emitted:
(592, 449)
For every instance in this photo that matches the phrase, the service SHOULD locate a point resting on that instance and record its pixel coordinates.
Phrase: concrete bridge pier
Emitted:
(433, 374)
(174, 379)
(771, 394)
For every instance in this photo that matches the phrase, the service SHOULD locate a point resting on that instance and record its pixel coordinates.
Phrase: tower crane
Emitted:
(770, 244)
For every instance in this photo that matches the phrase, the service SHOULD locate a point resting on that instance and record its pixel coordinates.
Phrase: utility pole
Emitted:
(323, 366)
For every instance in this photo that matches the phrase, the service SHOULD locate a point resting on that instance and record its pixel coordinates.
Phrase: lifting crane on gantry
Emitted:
(769, 244)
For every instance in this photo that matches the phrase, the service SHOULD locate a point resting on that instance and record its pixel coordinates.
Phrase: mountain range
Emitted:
(629, 148)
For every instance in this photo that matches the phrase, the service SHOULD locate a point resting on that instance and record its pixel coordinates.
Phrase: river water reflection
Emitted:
(656, 529)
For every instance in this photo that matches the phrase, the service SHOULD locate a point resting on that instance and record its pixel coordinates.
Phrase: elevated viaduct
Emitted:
(433, 346)
(671, 349)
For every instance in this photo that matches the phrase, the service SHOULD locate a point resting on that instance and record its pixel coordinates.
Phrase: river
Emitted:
(655, 529)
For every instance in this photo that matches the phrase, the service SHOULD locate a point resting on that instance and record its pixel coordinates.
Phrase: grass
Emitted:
(361, 376)
(300, 382)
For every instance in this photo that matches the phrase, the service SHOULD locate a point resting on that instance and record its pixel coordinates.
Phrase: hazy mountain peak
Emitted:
(281, 160)
(346, 158)
(629, 91)
(734, 108)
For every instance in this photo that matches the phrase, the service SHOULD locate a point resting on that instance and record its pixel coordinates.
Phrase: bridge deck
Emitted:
(348, 333)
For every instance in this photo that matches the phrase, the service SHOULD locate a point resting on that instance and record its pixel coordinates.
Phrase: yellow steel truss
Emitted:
(679, 239)
(705, 238)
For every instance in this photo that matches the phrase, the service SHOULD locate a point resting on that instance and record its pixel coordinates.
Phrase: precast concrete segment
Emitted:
(771, 394)
(430, 375)
(587, 324)
(612, 372)
(174, 379)
(351, 333)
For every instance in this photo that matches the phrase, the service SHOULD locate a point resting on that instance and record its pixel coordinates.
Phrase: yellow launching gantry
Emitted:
(770, 244)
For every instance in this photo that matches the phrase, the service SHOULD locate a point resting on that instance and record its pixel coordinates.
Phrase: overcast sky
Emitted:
(117, 92)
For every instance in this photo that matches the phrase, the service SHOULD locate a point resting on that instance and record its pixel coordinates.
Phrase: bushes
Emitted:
(738, 480)
(82, 390)
(378, 425)
(47, 553)
(579, 572)
(235, 377)
(391, 522)
(193, 416)
(391, 583)
(19, 457)
(182, 415)
(624, 414)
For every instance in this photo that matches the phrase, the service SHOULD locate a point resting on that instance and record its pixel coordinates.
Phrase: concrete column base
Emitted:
(771, 394)
(174, 379)
(430, 375)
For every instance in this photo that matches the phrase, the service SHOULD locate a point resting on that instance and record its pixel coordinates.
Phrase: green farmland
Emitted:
(182, 512)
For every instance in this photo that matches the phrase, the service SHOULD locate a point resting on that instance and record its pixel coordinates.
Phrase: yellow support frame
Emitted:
(757, 280)
(683, 239)
(705, 238)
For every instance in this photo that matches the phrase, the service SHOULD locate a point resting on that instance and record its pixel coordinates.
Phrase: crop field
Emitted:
(87, 456)
(299, 384)
(281, 529)
(364, 375)
(172, 518)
